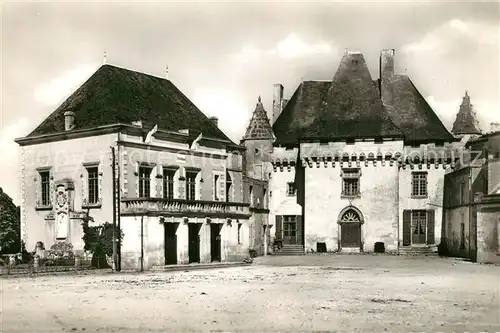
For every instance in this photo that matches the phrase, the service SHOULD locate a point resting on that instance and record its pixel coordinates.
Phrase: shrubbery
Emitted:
(99, 240)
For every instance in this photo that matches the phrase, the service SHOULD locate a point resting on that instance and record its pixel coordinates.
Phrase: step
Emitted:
(195, 266)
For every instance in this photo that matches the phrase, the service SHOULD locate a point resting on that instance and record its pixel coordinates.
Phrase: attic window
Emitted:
(256, 150)
(355, 62)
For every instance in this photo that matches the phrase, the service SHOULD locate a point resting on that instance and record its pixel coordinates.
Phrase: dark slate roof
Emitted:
(349, 107)
(259, 126)
(413, 115)
(466, 122)
(115, 95)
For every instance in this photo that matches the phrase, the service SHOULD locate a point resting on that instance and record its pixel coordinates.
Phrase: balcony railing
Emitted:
(181, 207)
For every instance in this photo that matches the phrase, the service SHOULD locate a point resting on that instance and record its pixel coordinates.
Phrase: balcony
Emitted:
(183, 208)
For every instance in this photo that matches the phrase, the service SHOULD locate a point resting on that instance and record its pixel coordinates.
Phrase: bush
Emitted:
(26, 257)
(99, 240)
(61, 250)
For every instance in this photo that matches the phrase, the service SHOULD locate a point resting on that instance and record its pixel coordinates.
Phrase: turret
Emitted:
(258, 140)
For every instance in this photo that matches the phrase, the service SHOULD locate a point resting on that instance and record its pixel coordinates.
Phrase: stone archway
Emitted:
(350, 222)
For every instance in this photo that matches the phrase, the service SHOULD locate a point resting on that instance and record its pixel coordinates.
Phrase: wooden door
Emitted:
(350, 234)
(418, 227)
(406, 227)
(289, 229)
(431, 225)
(171, 243)
(194, 242)
(215, 242)
(279, 227)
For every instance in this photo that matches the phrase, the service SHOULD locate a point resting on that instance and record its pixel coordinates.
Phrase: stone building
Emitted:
(358, 164)
(183, 193)
(471, 219)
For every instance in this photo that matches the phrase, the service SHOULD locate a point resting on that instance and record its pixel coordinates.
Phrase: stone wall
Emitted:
(433, 201)
(488, 230)
(66, 160)
(153, 240)
(454, 218)
(378, 201)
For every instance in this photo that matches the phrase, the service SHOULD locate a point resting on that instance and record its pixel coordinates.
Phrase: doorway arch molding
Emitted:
(350, 214)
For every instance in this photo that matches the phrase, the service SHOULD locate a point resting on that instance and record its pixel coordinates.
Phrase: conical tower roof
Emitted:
(466, 122)
(259, 127)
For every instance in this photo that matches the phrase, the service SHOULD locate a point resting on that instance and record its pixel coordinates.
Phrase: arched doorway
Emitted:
(350, 222)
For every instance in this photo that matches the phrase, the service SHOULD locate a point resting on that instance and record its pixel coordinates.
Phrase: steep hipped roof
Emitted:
(413, 115)
(116, 95)
(349, 107)
(259, 126)
(466, 122)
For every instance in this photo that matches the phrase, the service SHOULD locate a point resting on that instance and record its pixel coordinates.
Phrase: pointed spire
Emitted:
(259, 127)
(166, 71)
(105, 59)
(466, 122)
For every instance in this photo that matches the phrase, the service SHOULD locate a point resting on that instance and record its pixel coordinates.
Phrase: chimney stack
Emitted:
(387, 63)
(277, 101)
(69, 120)
(387, 76)
(215, 121)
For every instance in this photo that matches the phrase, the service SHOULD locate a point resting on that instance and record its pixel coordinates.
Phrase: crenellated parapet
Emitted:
(409, 157)
(284, 158)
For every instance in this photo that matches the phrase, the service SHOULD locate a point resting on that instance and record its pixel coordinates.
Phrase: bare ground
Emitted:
(276, 294)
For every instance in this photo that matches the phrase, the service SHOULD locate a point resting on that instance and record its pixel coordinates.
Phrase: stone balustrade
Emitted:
(181, 207)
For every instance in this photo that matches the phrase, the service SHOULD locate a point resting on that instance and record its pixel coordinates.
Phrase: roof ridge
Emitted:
(115, 94)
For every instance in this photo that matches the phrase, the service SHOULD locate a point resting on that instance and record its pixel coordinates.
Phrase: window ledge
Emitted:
(41, 208)
(347, 196)
(419, 196)
(92, 205)
(291, 195)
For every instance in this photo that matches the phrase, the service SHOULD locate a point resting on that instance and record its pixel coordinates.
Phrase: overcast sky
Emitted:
(223, 55)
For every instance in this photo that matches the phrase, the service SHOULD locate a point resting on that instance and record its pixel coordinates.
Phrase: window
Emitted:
(216, 187)
(264, 198)
(419, 184)
(93, 185)
(45, 187)
(462, 235)
(418, 218)
(229, 187)
(239, 233)
(145, 181)
(289, 226)
(191, 185)
(168, 183)
(251, 196)
(350, 182)
(291, 190)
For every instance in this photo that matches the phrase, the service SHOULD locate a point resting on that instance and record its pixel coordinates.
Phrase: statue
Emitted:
(62, 226)
(62, 214)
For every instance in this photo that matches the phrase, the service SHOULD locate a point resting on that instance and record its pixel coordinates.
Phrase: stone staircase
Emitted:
(290, 250)
(418, 251)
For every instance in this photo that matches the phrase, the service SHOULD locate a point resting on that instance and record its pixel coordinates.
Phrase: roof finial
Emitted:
(259, 100)
(166, 71)
(406, 71)
(104, 60)
(345, 50)
(466, 93)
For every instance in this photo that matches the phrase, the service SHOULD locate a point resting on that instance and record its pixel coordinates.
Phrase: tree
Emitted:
(10, 225)
(98, 240)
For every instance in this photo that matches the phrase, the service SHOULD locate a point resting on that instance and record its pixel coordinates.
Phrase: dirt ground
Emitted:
(350, 293)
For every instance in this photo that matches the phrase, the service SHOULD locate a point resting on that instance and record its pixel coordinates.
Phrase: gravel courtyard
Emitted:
(359, 293)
